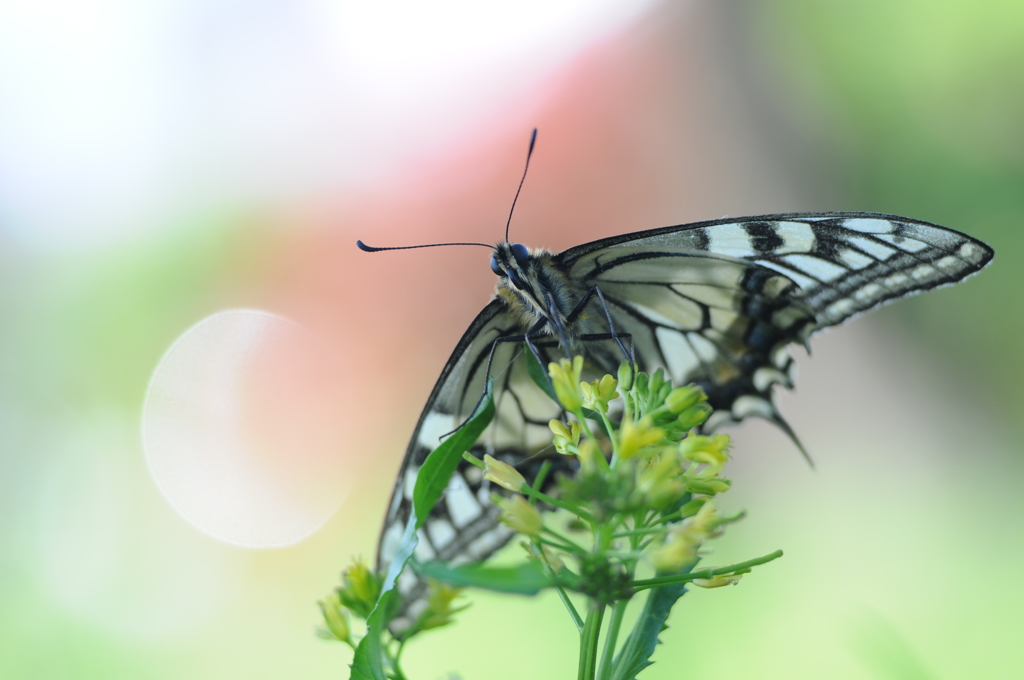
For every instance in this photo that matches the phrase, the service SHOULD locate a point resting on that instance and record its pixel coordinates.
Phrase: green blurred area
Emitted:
(916, 106)
(921, 104)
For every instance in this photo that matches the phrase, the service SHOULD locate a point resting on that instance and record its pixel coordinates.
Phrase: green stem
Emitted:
(611, 637)
(612, 438)
(564, 539)
(576, 618)
(533, 493)
(588, 641)
(705, 573)
(560, 546)
(637, 532)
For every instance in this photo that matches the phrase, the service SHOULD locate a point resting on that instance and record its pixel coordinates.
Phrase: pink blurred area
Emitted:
(632, 135)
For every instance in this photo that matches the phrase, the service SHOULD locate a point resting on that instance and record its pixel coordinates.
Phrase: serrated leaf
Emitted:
(437, 470)
(368, 662)
(525, 579)
(636, 652)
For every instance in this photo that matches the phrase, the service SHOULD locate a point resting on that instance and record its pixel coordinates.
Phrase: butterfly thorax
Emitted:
(534, 288)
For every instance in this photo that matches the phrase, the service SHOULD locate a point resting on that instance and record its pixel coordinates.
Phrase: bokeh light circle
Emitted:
(243, 426)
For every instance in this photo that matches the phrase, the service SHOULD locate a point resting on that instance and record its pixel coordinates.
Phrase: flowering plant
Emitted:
(643, 491)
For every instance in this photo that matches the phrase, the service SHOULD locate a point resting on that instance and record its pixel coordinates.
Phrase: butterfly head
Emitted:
(513, 261)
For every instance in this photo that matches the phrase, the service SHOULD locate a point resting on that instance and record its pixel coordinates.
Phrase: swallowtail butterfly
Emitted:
(716, 303)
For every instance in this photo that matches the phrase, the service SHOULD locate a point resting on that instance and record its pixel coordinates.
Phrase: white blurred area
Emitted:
(243, 429)
(119, 119)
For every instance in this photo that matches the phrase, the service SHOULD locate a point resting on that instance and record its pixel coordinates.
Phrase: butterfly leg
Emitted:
(613, 335)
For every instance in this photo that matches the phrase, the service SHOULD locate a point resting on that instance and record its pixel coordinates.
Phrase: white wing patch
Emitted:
(816, 267)
(869, 225)
(678, 353)
(435, 426)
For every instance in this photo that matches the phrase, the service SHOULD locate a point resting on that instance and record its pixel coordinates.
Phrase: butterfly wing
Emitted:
(719, 303)
(463, 525)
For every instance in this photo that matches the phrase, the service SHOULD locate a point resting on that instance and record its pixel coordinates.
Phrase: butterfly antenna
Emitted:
(371, 249)
(533, 139)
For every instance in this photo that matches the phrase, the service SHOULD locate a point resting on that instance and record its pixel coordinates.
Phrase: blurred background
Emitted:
(163, 161)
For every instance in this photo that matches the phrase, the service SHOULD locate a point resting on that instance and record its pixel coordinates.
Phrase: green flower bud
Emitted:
(439, 611)
(708, 487)
(334, 616)
(694, 416)
(360, 588)
(682, 398)
(625, 375)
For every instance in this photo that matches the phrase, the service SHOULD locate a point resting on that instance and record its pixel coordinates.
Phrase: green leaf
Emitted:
(368, 662)
(539, 374)
(636, 652)
(526, 579)
(433, 477)
(437, 470)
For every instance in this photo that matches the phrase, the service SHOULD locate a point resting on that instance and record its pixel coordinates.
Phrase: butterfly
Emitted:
(716, 303)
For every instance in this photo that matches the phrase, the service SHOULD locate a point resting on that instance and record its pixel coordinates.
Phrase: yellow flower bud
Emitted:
(718, 581)
(660, 481)
(503, 474)
(519, 515)
(565, 377)
(680, 546)
(635, 436)
(566, 439)
(589, 450)
(597, 394)
(703, 449)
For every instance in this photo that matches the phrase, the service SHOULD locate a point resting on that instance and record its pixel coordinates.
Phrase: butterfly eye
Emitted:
(521, 254)
(496, 268)
(517, 281)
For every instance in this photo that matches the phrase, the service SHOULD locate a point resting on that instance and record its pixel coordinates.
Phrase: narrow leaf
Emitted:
(368, 662)
(437, 470)
(539, 374)
(525, 579)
